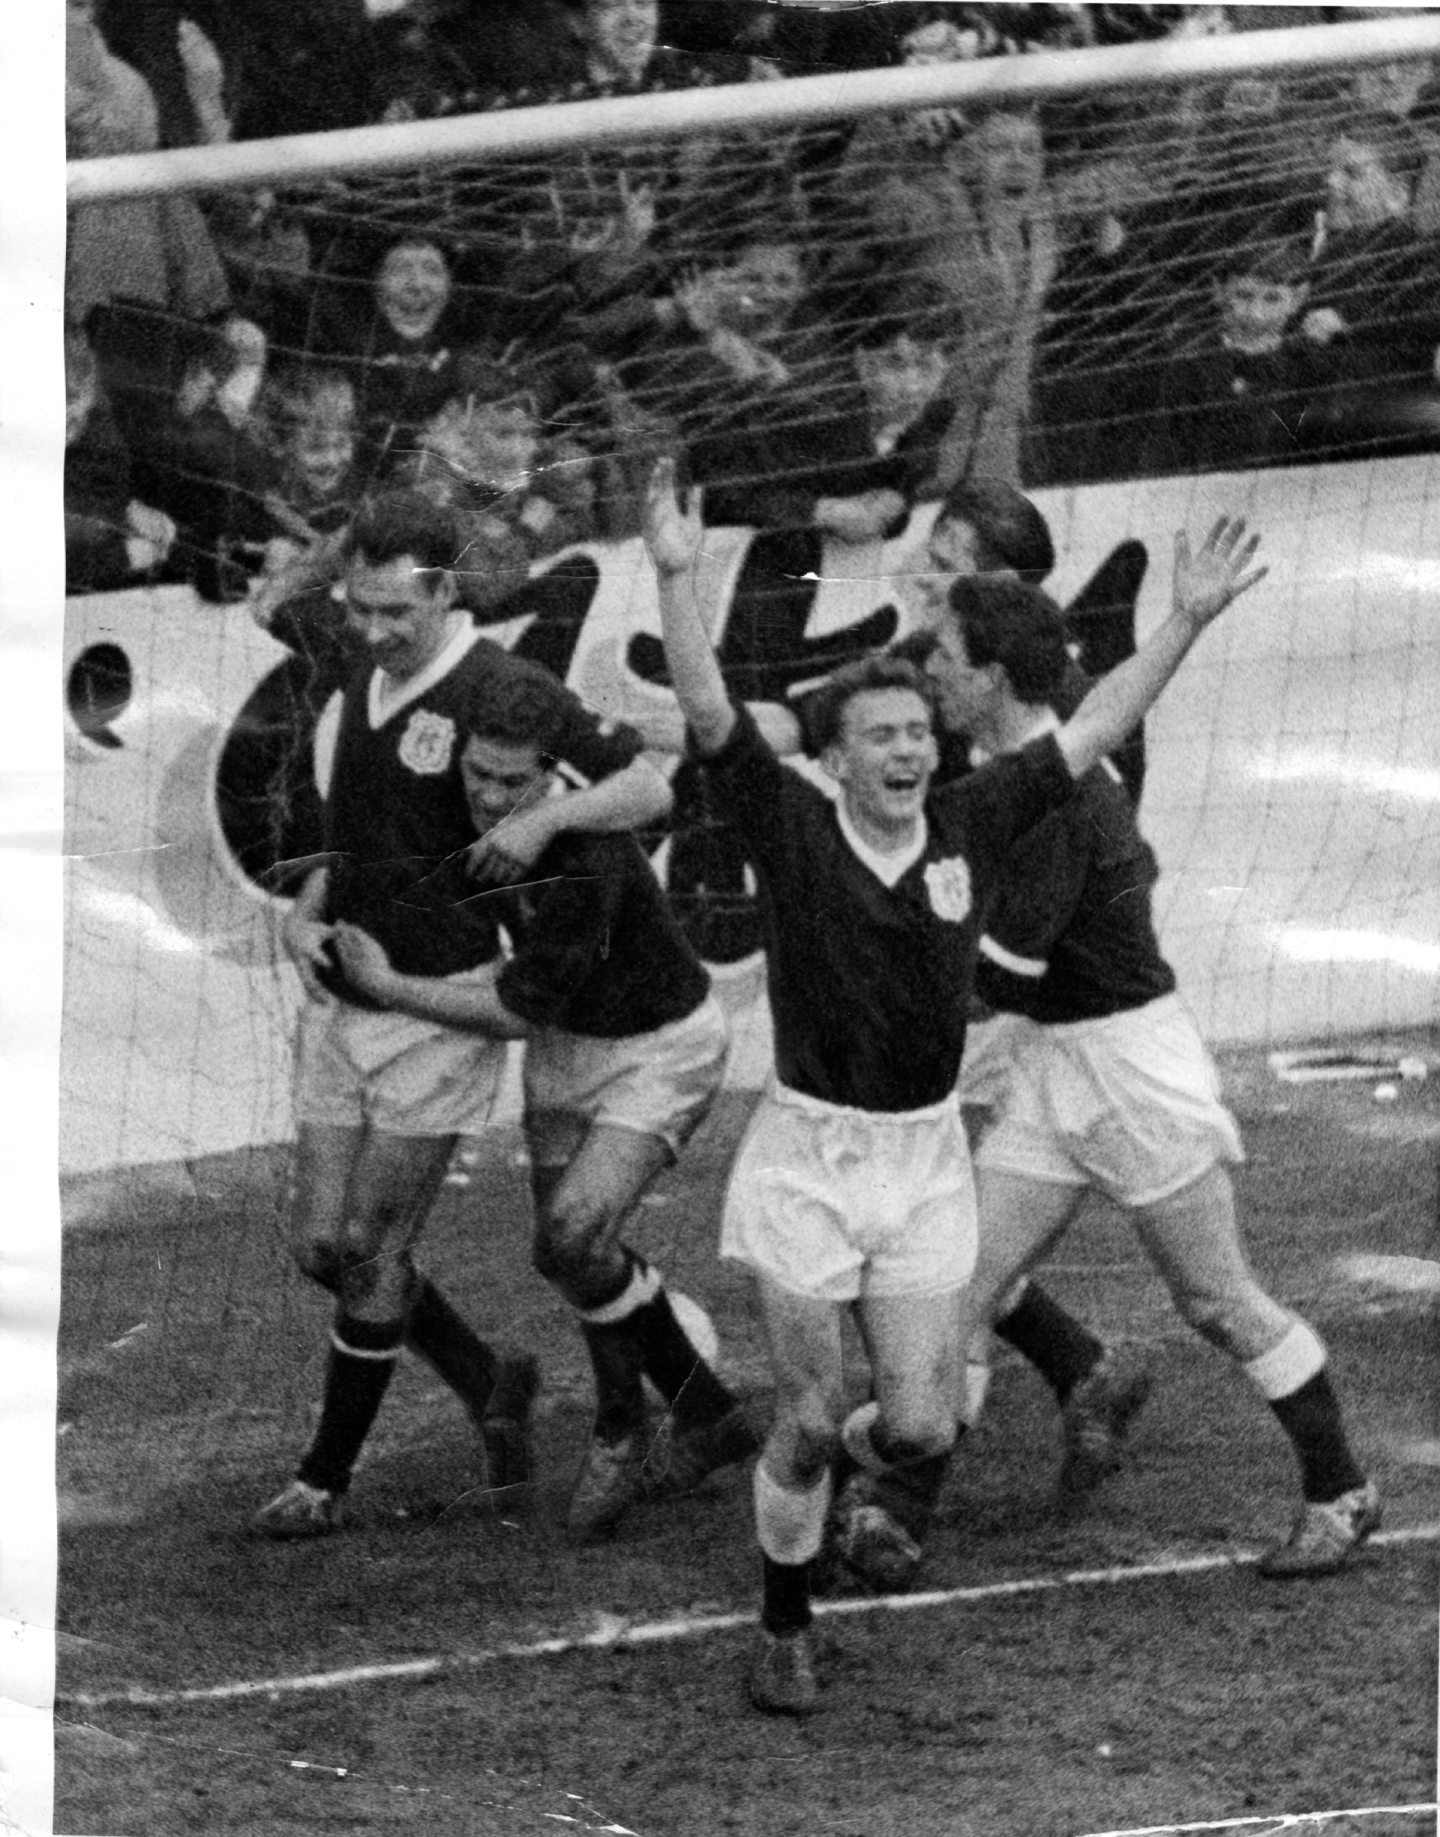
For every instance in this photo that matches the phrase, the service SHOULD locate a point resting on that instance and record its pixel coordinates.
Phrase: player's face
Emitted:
(966, 694)
(950, 551)
(399, 613)
(499, 779)
(885, 757)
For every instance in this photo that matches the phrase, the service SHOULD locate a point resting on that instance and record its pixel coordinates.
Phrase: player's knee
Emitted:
(379, 1286)
(322, 1261)
(1225, 1321)
(919, 1436)
(568, 1238)
(809, 1435)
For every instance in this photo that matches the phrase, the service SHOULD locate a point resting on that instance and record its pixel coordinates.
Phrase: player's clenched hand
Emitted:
(507, 852)
(673, 522)
(307, 944)
(1207, 581)
(363, 959)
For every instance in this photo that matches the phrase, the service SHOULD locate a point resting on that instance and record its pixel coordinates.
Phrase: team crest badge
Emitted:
(948, 884)
(427, 743)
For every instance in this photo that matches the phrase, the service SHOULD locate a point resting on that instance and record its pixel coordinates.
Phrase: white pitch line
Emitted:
(616, 1633)
(1277, 1821)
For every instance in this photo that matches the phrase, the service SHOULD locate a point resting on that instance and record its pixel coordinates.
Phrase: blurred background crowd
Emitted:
(830, 323)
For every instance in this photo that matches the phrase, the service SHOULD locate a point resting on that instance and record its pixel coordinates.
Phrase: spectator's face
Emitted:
(885, 756)
(1009, 157)
(1255, 313)
(413, 288)
(398, 612)
(620, 35)
(764, 287)
(1360, 193)
(939, 42)
(498, 442)
(902, 378)
(323, 443)
(1394, 88)
(1251, 99)
(500, 778)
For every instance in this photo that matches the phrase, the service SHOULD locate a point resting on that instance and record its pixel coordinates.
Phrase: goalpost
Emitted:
(1291, 792)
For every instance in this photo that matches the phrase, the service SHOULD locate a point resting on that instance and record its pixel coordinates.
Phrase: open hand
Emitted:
(673, 525)
(1210, 580)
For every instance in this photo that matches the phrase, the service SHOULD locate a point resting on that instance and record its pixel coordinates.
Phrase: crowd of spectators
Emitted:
(829, 322)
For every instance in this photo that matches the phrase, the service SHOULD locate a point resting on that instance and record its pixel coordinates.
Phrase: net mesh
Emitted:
(834, 326)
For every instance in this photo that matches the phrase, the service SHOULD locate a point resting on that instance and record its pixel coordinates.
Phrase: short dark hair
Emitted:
(878, 671)
(397, 523)
(528, 714)
(1012, 623)
(1010, 532)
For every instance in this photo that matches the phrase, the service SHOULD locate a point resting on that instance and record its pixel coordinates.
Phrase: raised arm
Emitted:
(673, 532)
(1204, 585)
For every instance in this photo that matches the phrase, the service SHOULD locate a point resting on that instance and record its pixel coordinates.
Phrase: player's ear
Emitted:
(443, 588)
(832, 762)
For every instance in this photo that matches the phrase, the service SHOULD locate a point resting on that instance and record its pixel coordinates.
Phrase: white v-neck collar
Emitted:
(888, 866)
(387, 698)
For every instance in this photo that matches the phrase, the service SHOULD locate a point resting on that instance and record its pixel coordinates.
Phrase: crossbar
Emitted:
(674, 114)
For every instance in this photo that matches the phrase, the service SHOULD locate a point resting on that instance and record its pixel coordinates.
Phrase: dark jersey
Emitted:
(869, 985)
(396, 809)
(597, 949)
(1071, 937)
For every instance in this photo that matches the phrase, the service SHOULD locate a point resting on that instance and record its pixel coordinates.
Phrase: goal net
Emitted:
(1147, 287)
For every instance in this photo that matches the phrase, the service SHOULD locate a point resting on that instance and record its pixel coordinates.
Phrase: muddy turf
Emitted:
(189, 1360)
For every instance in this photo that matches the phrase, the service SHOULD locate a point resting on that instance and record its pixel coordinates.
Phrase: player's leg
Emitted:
(360, 1199)
(918, 1223)
(902, 1445)
(1001, 1085)
(792, 1489)
(1100, 1389)
(1193, 1238)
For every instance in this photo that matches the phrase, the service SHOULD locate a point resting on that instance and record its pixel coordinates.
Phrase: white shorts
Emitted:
(658, 1084)
(360, 1066)
(1129, 1104)
(990, 1048)
(837, 1203)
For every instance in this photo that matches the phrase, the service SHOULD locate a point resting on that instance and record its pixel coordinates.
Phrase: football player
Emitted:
(625, 1048)
(381, 1097)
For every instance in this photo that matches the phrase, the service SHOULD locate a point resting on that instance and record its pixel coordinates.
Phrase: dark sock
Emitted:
(614, 1349)
(362, 1361)
(445, 1341)
(909, 1489)
(1310, 1416)
(1054, 1342)
(683, 1379)
(785, 1596)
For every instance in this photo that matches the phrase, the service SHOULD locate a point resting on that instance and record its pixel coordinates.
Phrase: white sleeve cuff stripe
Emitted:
(1034, 967)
